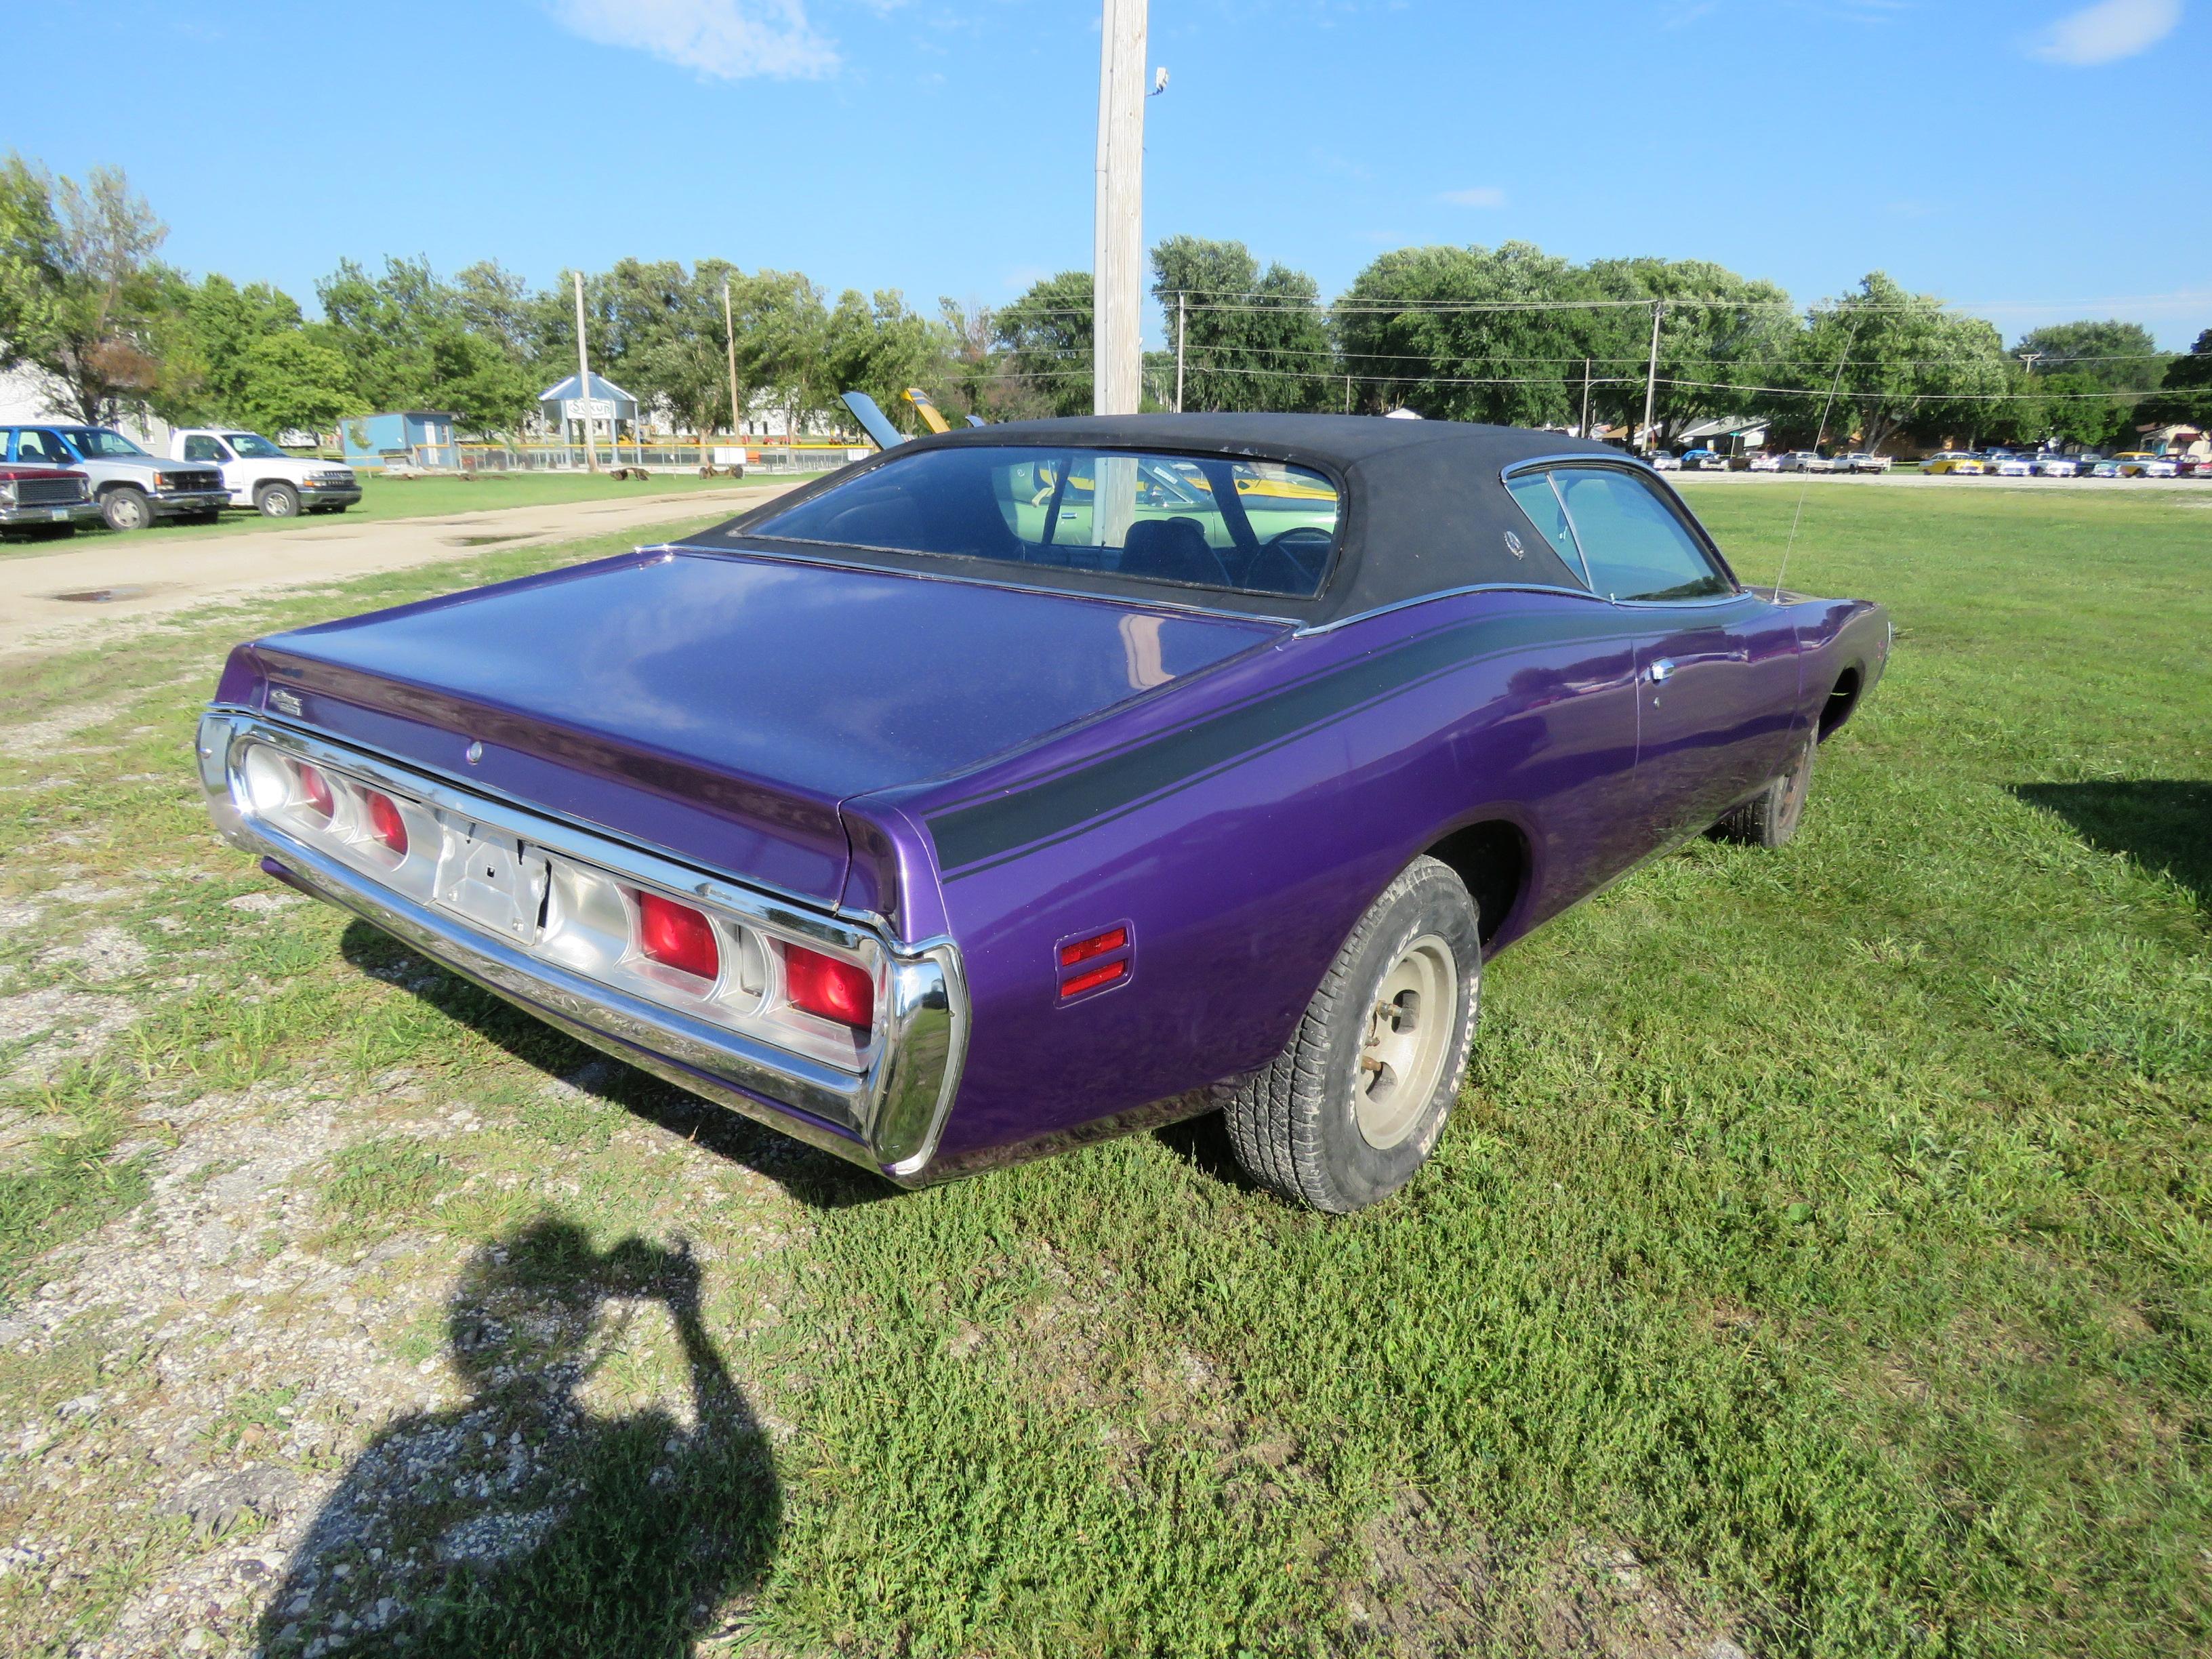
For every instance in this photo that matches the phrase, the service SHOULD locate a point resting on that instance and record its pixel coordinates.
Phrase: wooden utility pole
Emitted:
(1652, 375)
(1118, 239)
(1585, 426)
(584, 380)
(730, 337)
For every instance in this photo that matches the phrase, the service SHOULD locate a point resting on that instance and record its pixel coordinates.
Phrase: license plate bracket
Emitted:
(491, 878)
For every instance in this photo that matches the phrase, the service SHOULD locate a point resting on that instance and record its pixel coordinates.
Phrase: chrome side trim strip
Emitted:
(894, 1112)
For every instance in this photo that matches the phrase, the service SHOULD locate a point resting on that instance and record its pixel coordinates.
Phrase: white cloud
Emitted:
(2106, 32)
(1482, 196)
(731, 40)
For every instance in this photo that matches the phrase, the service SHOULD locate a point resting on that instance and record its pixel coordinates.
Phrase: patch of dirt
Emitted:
(103, 954)
(1434, 1591)
(47, 736)
(80, 1023)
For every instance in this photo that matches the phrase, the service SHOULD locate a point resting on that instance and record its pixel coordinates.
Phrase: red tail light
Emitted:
(676, 936)
(317, 788)
(823, 985)
(386, 824)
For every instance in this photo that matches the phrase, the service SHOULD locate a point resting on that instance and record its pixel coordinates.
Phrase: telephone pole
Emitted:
(1118, 239)
(1585, 427)
(584, 380)
(730, 338)
(1652, 375)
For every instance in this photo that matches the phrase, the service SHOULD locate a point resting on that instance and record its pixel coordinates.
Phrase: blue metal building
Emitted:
(413, 437)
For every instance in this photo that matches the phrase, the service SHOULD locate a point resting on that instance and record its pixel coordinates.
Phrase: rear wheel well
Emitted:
(1843, 697)
(1492, 859)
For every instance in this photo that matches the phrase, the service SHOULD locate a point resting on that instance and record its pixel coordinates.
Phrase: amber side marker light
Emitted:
(676, 936)
(823, 985)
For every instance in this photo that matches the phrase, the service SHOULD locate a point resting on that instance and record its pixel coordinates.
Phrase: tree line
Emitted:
(1507, 334)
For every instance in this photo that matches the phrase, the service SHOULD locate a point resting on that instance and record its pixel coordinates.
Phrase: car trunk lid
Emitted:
(722, 706)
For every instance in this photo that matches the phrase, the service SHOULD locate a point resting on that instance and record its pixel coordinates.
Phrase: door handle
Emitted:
(1660, 669)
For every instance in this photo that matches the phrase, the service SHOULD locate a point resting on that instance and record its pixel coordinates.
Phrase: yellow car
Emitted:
(1955, 460)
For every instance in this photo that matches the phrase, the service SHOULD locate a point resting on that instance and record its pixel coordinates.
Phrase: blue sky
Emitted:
(2051, 154)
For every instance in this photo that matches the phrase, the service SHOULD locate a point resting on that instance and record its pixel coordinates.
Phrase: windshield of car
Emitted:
(97, 442)
(1208, 521)
(254, 448)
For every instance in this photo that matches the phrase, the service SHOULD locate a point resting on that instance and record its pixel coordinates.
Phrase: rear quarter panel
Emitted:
(1241, 827)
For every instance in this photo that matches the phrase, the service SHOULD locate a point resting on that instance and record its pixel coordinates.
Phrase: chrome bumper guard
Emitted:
(886, 1117)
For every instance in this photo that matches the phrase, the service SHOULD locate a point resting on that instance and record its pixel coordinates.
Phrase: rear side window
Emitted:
(203, 449)
(1632, 543)
(1533, 490)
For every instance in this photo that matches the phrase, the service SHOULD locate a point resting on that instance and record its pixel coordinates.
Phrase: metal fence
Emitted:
(665, 457)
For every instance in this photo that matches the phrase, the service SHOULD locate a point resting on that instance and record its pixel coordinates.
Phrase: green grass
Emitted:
(411, 498)
(1829, 1229)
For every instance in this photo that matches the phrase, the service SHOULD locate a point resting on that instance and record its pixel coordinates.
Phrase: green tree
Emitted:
(220, 324)
(1252, 339)
(779, 318)
(82, 300)
(1047, 337)
(1402, 334)
(285, 382)
(406, 338)
(877, 346)
(2116, 355)
(1719, 334)
(2185, 397)
(1895, 362)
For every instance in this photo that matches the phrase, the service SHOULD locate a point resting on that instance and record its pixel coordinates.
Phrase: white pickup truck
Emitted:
(261, 475)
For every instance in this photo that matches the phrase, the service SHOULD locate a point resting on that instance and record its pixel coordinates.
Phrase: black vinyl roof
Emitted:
(1424, 508)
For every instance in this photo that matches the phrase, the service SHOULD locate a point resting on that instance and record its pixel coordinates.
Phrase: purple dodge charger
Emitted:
(1036, 782)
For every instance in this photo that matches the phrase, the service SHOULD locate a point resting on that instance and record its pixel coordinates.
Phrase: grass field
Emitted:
(1820, 1260)
(411, 498)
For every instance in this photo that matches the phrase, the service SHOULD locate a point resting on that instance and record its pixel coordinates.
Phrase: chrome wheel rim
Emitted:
(277, 504)
(1408, 1035)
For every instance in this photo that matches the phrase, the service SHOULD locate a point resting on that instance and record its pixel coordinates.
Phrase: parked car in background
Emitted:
(1703, 460)
(1862, 460)
(1954, 461)
(1666, 461)
(133, 488)
(2137, 464)
(940, 818)
(1763, 462)
(1807, 460)
(2003, 463)
(262, 476)
(2192, 467)
(2054, 466)
(44, 498)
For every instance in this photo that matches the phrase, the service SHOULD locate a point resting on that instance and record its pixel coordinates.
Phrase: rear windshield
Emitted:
(1209, 521)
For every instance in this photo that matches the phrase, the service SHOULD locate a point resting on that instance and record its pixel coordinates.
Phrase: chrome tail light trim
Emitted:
(887, 1115)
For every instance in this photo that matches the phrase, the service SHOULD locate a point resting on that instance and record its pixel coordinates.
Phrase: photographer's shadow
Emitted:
(520, 1522)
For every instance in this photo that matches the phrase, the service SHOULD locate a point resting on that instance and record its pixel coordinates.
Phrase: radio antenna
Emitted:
(1820, 437)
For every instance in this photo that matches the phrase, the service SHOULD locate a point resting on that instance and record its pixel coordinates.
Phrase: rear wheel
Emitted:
(126, 508)
(278, 501)
(1770, 818)
(1353, 1106)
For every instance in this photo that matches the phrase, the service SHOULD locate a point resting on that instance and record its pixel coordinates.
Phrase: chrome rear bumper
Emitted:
(887, 1117)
